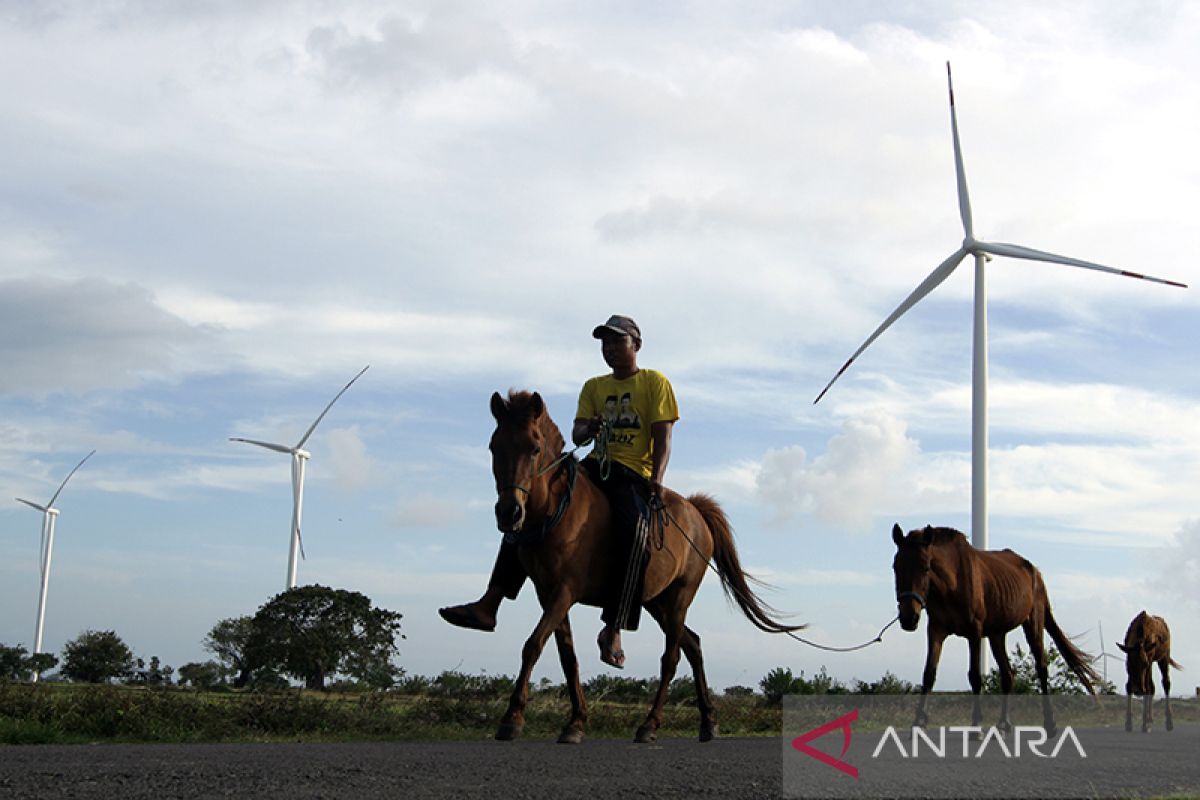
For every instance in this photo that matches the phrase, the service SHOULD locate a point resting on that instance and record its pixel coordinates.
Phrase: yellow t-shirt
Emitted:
(631, 405)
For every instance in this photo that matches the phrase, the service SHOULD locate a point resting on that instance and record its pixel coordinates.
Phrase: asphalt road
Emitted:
(1117, 764)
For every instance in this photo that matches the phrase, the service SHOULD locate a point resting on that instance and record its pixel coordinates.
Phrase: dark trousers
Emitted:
(628, 494)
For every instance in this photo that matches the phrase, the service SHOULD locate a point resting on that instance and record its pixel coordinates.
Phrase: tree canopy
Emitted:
(314, 632)
(96, 657)
(16, 664)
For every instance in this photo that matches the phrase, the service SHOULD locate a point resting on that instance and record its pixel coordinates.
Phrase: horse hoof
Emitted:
(570, 736)
(507, 732)
(645, 735)
(1129, 727)
(708, 732)
(1170, 725)
(1145, 729)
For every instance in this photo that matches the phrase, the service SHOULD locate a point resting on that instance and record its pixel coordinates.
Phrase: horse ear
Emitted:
(1121, 645)
(499, 407)
(897, 535)
(926, 535)
(537, 405)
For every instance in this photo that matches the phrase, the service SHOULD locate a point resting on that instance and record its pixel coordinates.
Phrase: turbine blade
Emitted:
(32, 505)
(1017, 251)
(317, 421)
(278, 448)
(931, 282)
(64, 483)
(964, 198)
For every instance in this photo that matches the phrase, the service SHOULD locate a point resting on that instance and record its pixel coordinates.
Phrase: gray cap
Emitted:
(622, 326)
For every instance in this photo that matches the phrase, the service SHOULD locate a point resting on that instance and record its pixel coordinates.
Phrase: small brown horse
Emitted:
(978, 594)
(577, 561)
(1147, 642)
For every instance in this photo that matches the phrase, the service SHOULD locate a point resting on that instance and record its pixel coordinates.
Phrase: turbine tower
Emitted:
(49, 516)
(982, 251)
(299, 457)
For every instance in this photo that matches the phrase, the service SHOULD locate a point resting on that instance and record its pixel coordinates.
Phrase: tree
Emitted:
(157, 674)
(1062, 679)
(314, 632)
(227, 641)
(17, 665)
(204, 676)
(96, 657)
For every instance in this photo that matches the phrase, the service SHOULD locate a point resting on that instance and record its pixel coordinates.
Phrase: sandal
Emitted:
(467, 617)
(614, 658)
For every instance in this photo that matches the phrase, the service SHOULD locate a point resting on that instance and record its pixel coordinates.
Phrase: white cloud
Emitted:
(352, 467)
(863, 471)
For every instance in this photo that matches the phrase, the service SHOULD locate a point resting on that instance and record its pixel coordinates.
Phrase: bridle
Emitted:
(533, 537)
(914, 595)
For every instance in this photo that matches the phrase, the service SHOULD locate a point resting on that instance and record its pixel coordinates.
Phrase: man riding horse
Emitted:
(628, 462)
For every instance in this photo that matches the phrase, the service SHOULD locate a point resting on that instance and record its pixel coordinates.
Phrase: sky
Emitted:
(213, 215)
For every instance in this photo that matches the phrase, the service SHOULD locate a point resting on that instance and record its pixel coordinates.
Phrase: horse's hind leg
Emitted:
(671, 621)
(695, 657)
(553, 614)
(573, 732)
(1034, 628)
(1165, 666)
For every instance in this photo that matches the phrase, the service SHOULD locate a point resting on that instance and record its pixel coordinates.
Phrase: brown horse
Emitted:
(978, 594)
(575, 560)
(1147, 642)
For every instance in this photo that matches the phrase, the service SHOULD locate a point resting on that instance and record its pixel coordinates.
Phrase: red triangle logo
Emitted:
(801, 743)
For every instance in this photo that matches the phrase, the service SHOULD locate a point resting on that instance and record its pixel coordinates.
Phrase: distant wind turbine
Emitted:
(299, 456)
(981, 251)
(1104, 654)
(49, 516)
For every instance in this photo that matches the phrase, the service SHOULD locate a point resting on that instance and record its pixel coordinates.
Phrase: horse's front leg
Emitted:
(933, 654)
(1006, 680)
(573, 732)
(553, 614)
(1148, 704)
(1128, 707)
(1164, 667)
(975, 678)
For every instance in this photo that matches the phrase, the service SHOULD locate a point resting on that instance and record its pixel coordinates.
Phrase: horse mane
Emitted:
(522, 406)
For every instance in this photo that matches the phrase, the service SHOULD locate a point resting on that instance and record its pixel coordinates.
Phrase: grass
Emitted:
(444, 709)
(64, 713)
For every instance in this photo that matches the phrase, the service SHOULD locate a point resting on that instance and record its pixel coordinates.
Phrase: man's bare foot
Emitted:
(610, 648)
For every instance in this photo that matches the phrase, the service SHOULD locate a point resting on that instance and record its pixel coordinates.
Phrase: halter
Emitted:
(534, 537)
(914, 595)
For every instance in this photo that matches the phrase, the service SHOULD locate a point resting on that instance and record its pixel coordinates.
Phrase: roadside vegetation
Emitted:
(317, 664)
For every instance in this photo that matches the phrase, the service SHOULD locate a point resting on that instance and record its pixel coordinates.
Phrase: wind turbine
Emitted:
(49, 516)
(1104, 654)
(299, 456)
(982, 251)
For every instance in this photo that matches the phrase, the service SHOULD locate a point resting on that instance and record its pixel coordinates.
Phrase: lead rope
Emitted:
(664, 514)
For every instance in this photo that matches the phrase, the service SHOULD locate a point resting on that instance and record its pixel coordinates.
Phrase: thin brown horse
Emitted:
(1147, 642)
(978, 594)
(576, 561)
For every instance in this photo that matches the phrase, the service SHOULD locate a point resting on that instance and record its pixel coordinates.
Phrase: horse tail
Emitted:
(1079, 661)
(734, 580)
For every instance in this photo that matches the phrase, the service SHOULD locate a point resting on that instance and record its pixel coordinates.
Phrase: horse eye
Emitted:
(536, 449)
